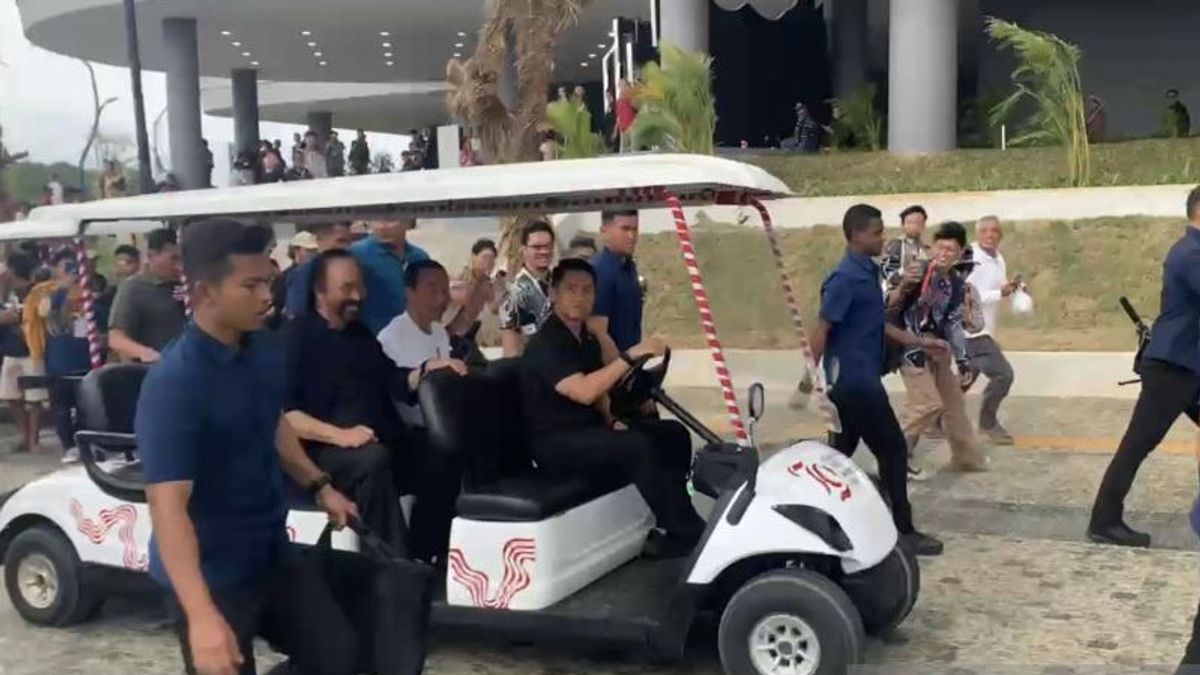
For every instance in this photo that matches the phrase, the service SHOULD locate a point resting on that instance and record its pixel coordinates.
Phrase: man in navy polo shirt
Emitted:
(851, 335)
(383, 257)
(1170, 370)
(214, 446)
(618, 310)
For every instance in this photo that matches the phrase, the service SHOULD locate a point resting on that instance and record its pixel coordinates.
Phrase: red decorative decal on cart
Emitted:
(824, 476)
(517, 554)
(124, 519)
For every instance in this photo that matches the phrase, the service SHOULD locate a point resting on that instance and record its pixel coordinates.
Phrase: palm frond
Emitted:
(573, 124)
(676, 108)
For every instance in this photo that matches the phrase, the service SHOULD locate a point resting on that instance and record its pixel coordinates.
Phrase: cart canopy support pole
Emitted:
(820, 390)
(706, 320)
(95, 358)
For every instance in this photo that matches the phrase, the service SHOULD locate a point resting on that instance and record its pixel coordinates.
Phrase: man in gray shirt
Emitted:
(148, 311)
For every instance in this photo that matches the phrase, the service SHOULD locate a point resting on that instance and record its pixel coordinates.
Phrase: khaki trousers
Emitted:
(933, 391)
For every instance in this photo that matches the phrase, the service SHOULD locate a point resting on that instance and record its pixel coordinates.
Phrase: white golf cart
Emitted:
(800, 555)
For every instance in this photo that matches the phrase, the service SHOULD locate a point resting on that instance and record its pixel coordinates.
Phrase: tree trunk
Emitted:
(145, 176)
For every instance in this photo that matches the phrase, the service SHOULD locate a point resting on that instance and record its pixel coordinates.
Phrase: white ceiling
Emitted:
(347, 33)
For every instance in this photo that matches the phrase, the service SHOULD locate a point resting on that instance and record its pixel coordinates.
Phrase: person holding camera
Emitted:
(930, 302)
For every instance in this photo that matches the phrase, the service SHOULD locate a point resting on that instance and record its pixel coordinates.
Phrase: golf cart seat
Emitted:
(107, 402)
(478, 418)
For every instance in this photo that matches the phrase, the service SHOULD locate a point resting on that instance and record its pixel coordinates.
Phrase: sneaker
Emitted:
(916, 474)
(998, 435)
(921, 544)
(975, 465)
(935, 433)
(70, 456)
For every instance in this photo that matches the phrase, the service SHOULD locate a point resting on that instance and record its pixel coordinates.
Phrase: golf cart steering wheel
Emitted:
(639, 384)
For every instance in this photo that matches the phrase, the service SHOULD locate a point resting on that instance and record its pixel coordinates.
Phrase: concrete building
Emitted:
(380, 64)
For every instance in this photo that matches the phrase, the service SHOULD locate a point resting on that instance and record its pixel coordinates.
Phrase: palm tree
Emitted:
(530, 29)
(98, 107)
(1046, 75)
(573, 124)
(145, 176)
(676, 109)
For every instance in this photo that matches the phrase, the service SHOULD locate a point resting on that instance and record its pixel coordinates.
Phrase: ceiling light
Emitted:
(458, 55)
(584, 64)
(318, 54)
(386, 45)
(246, 54)
(387, 55)
(384, 33)
(306, 33)
(601, 46)
(591, 56)
(235, 43)
(462, 34)
(391, 63)
(322, 63)
(226, 33)
(254, 63)
(458, 45)
(312, 44)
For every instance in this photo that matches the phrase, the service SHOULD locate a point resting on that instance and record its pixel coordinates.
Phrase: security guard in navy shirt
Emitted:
(1170, 371)
(618, 310)
(214, 447)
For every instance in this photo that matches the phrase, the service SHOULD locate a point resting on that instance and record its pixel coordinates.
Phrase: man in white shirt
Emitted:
(416, 338)
(990, 278)
(57, 191)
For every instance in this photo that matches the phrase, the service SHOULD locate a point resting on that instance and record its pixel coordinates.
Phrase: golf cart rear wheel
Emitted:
(886, 593)
(789, 622)
(45, 579)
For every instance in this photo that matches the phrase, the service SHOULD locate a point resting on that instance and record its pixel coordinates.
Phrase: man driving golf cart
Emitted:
(565, 386)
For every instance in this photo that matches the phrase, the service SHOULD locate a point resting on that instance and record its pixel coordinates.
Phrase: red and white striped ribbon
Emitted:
(820, 390)
(89, 311)
(706, 320)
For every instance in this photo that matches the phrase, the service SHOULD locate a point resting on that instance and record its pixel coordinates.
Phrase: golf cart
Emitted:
(799, 557)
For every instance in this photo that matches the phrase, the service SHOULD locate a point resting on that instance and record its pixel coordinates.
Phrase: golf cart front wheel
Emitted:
(886, 593)
(789, 622)
(45, 579)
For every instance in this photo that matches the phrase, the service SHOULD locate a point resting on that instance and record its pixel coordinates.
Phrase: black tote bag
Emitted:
(385, 597)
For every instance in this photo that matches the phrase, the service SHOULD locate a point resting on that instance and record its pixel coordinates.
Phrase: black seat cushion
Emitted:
(532, 497)
(108, 397)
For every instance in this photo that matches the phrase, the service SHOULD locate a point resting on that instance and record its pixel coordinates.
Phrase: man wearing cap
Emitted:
(148, 312)
(326, 237)
(301, 249)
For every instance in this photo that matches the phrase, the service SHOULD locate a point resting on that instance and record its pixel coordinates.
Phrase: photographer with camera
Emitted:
(930, 302)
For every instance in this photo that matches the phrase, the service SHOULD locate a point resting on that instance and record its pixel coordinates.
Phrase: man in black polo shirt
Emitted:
(148, 312)
(565, 387)
(340, 391)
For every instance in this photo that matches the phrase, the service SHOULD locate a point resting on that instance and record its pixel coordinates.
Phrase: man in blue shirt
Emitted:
(851, 335)
(1170, 370)
(618, 310)
(214, 447)
(383, 257)
(330, 237)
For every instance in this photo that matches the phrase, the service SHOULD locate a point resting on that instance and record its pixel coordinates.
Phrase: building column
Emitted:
(245, 109)
(183, 101)
(684, 23)
(849, 46)
(923, 76)
(321, 122)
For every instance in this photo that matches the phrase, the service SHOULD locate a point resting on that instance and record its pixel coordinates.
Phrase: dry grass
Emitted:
(1076, 271)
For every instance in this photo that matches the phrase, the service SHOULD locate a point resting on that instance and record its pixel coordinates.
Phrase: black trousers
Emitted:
(435, 480)
(655, 455)
(1191, 656)
(1167, 392)
(62, 407)
(293, 609)
(867, 415)
(365, 476)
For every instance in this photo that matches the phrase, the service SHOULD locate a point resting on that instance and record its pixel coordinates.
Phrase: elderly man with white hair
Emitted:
(990, 278)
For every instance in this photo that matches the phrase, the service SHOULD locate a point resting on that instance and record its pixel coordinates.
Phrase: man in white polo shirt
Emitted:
(990, 278)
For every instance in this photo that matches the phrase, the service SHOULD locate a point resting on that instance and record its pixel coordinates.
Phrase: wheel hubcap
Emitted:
(38, 581)
(783, 644)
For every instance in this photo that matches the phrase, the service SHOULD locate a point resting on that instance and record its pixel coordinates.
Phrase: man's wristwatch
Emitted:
(319, 483)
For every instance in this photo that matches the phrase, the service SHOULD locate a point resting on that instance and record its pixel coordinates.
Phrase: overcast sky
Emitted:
(46, 104)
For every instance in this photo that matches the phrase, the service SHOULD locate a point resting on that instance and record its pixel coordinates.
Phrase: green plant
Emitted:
(1047, 76)
(857, 123)
(676, 109)
(573, 124)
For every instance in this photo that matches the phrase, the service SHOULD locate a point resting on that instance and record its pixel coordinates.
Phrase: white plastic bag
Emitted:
(1022, 302)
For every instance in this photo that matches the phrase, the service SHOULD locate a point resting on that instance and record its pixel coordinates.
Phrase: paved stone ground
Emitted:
(1018, 591)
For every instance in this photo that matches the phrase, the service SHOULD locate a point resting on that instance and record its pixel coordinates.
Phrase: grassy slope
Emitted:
(1076, 271)
(1144, 162)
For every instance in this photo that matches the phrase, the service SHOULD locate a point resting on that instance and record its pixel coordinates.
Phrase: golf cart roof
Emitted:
(20, 230)
(629, 181)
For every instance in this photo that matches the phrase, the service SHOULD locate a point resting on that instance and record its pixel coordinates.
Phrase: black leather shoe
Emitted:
(660, 545)
(921, 544)
(1118, 534)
